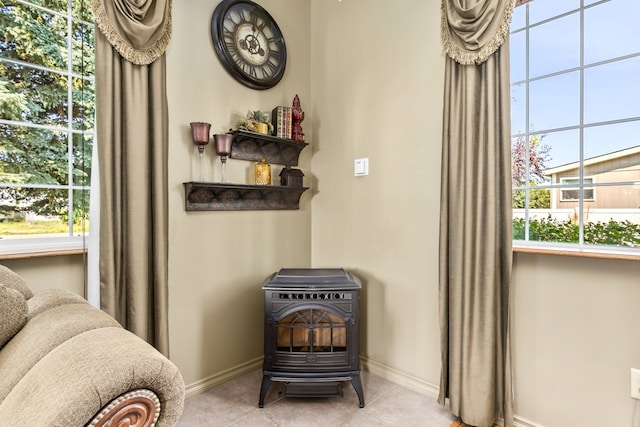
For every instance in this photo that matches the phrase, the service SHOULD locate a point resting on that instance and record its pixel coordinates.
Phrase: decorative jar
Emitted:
(263, 173)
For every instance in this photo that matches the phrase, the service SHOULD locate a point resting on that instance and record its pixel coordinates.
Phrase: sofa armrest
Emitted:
(82, 376)
(137, 408)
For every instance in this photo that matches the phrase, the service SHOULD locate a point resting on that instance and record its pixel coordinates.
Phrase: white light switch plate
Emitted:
(635, 383)
(361, 167)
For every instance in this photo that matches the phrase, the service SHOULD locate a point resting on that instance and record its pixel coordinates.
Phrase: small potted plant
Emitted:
(256, 121)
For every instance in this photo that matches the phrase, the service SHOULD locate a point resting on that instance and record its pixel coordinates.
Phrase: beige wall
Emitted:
(377, 93)
(218, 260)
(576, 333)
(62, 272)
(371, 87)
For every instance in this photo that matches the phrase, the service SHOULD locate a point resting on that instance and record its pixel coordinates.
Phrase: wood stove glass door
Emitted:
(311, 331)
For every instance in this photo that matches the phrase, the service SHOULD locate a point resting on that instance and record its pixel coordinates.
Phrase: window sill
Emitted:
(38, 248)
(41, 254)
(584, 252)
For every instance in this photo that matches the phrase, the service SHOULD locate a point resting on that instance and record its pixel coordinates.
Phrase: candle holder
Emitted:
(200, 135)
(223, 148)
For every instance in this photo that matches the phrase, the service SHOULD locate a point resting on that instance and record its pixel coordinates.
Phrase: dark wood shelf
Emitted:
(255, 146)
(210, 196)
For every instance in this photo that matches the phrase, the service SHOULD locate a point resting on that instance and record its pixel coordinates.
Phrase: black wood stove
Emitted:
(311, 332)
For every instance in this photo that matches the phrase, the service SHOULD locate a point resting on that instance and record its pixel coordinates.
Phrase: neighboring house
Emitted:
(619, 166)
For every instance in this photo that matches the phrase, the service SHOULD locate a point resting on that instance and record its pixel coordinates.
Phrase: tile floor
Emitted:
(235, 403)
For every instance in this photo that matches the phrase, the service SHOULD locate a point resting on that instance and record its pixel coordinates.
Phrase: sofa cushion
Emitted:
(14, 281)
(51, 298)
(42, 334)
(13, 313)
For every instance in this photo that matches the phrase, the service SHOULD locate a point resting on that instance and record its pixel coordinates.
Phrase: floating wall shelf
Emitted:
(209, 196)
(254, 146)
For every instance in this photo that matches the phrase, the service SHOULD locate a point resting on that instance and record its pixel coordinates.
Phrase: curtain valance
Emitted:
(472, 30)
(140, 30)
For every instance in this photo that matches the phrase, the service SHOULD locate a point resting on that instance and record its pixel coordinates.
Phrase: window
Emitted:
(572, 194)
(46, 119)
(575, 122)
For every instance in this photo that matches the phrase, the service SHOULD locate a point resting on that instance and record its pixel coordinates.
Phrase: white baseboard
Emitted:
(520, 422)
(523, 422)
(222, 377)
(399, 377)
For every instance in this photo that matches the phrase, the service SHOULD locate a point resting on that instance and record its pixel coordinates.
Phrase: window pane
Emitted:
(619, 203)
(554, 46)
(82, 146)
(617, 167)
(602, 140)
(555, 101)
(518, 56)
(611, 29)
(518, 18)
(544, 225)
(80, 212)
(563, 149)
(29, 213)
(41, 38)
(33, 156)
(33, 212)
(34, 95)
(518, 108)
(82, 10)
(83, 48)
(539, 10)
(534, 198)
(84, 101)
(611, 91)
(614, 218)
(529, 164)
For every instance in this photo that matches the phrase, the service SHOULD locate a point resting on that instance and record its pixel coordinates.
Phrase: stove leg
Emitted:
(266, 383)
(357, 386)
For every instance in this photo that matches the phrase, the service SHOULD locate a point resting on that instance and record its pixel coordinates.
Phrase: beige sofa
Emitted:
(65, 363)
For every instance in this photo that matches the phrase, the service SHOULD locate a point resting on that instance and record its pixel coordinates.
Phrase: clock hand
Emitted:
(260, 50)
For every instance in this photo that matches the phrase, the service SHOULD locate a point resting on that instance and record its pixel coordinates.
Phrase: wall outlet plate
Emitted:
(635, 383)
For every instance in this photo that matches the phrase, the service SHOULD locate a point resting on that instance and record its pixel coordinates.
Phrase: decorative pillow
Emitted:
(14, 281)
(13, 313)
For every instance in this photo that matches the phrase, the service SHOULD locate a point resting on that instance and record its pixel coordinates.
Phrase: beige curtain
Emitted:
(132, 117)
(475, 217)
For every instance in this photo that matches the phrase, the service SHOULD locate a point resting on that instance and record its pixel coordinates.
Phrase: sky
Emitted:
(611, 90)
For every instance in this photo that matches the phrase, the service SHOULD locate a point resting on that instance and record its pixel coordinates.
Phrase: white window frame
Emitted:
(74, 241)
(580, 247)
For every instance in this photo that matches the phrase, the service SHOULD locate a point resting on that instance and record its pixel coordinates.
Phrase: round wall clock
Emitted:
(248, 43)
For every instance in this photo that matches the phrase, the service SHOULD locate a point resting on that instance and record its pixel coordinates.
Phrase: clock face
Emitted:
(248, 43)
